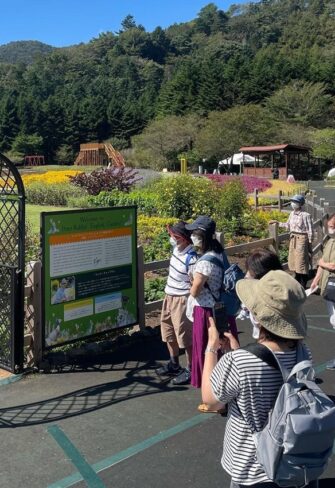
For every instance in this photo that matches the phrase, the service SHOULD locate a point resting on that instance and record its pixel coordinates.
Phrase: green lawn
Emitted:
(33, 214)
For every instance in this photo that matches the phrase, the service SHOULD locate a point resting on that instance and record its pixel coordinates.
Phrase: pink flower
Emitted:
(249, 182)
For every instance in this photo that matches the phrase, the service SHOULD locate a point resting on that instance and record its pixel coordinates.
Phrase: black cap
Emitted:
(179, 229)
(203, 222)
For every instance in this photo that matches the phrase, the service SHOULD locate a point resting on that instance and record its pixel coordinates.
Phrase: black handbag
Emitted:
(329, 293)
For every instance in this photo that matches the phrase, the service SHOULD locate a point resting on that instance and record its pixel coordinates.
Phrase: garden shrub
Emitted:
(185, 196)
(80, 201)
(232, 201)
(39, 193)
(145, 200)
(106, 179)
(154, 289)
(154, 238)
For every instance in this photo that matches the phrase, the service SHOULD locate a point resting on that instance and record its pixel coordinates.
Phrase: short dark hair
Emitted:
(260, 262)
(209, 243)
(266, 335)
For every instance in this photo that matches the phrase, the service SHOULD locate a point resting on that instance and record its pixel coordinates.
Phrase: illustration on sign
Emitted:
(89, 272)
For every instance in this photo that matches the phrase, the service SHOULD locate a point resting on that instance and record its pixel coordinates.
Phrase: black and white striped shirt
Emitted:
(178, 282)
(250, 387)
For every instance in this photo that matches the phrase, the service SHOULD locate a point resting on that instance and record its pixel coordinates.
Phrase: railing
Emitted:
(33, 304)
(319, 215)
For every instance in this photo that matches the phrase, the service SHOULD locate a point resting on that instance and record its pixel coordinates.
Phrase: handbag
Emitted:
(329, 293)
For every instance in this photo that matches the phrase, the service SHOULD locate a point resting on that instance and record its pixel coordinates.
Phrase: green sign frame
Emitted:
(89, 273)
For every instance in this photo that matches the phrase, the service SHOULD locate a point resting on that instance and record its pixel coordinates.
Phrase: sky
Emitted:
(67, 22)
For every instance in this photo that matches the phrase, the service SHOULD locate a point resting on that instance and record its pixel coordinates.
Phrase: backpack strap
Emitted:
(263, 353)
(213, 260)
(189, 256)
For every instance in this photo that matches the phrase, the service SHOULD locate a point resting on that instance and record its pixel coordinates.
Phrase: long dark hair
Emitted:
(260, 262)
(209, 243)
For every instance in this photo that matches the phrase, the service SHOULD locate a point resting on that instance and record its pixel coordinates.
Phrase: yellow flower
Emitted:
(50, 177)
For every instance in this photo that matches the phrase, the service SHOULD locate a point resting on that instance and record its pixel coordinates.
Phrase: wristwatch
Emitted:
(211, 349)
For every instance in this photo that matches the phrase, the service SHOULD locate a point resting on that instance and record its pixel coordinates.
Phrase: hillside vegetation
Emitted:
(255, 74)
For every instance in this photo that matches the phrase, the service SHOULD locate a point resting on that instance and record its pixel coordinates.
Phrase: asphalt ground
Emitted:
(116, 424)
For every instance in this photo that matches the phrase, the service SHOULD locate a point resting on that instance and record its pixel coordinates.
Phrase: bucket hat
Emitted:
(298, 199)
(179, 229)
(276, 301)
(203, 222)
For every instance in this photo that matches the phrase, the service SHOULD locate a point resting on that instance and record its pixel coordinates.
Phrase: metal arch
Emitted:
(12, 266)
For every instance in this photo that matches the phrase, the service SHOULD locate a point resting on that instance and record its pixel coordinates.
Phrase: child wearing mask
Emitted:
(299, 224)
(176, 328)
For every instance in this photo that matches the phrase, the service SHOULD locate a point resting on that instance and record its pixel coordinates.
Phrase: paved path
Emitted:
(119, 427)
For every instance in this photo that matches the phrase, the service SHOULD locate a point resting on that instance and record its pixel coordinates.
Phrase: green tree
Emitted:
(302, 103)
(210, 20)
(225, 132)
(27, 144)
(164, 139)
(324, 143)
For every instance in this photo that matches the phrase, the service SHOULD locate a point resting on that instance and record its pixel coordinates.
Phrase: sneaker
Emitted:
(184, 378)
(331, 365)
(169, 370)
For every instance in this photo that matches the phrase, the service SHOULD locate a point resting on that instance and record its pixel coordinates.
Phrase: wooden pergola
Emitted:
(286, 158)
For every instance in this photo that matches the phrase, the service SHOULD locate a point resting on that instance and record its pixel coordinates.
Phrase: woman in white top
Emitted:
(244, 381)
(206, 285)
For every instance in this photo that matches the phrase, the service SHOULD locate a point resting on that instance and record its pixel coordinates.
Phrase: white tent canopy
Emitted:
(237, 159)
(331, 173)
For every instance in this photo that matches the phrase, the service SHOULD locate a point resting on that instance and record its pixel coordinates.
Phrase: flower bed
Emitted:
(249, 182)
(50, 177)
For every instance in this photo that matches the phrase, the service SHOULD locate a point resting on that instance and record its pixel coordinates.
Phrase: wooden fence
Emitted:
(33, 300)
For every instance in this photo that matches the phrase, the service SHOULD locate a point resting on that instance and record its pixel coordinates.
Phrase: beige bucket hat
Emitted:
(276, 302)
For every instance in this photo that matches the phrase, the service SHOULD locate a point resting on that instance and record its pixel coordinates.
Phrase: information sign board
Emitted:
(89, 272)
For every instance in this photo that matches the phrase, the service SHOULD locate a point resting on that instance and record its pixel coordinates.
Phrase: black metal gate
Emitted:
(12, 266)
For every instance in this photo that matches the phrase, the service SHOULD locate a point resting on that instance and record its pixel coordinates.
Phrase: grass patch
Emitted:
(34, 211)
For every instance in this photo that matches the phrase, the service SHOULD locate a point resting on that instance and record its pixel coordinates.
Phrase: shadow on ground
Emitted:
(138, 362)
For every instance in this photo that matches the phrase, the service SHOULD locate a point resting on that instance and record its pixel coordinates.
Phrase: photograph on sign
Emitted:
(89, 276)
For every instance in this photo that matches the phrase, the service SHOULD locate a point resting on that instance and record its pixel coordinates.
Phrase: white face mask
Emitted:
(173, 242)
(197, 242)
(255, 324)
(331, 231)
(295, 206)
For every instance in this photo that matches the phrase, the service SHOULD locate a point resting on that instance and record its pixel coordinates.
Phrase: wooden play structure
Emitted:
(35, 160)
(99, 154)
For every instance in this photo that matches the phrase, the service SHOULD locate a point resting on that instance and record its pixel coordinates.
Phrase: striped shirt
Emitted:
(300, 222)
(178, 282)
(250, 387)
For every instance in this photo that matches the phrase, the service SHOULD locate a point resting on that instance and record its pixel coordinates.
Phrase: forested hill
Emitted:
(23, 51)
(222, 66)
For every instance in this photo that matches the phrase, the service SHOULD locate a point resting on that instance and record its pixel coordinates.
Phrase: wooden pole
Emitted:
(273, 232)
(256, 198)
(280, 206)
(140, 284)
(37, 304)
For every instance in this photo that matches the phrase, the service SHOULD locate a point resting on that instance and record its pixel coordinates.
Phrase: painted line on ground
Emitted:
(87, 473)
(151, 441)
(322, 329)
(317, 316)
(135, 449)
(11, 379)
